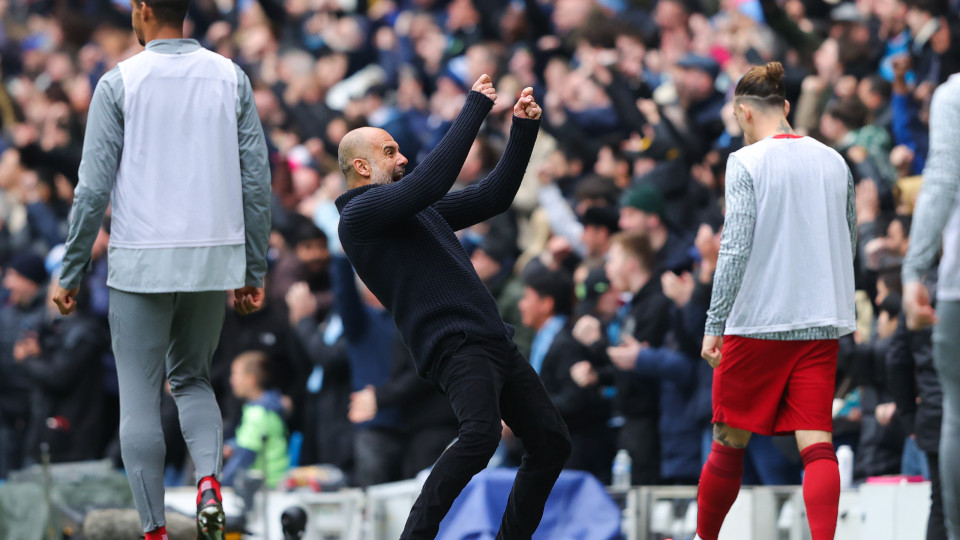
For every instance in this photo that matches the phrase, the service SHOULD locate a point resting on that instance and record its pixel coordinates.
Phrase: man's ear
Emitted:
(146, 12)
(745, 112)
(362, 167)
(786, 108)
(552, 303)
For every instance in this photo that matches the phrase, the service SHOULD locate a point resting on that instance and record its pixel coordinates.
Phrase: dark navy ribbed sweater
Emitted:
(400, 237)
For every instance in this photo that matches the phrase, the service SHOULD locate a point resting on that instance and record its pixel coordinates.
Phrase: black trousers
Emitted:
(486, 380)
(640, 437)
(425, 446)
(936, 528)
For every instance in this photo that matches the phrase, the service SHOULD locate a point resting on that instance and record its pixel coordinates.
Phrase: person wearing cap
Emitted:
(642, 211)
(595, 296)
(174, 143)
(21, 317)
(701, 103)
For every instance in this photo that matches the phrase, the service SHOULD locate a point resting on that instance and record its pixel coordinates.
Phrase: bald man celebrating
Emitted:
(398, 231)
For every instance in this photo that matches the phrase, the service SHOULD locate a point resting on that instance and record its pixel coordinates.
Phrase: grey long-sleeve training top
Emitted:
(176, 268)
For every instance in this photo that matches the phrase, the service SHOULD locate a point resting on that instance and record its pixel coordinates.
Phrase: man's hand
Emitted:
(526, 106)
(916, 305)
(301, 303)
(677, 288)
(65, 299)
(26, 348)
(710, 351)
(485, 86)
(884, 413)
(583, 374)
(248, 300)
(587, 330)
(625, 356)
(363, 405)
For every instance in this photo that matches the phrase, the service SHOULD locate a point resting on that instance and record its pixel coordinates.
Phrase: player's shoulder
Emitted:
(948, 93)
(825, 151)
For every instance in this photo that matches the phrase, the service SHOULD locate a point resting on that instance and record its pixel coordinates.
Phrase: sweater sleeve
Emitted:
(494, 194)
(736, 242)
(941, 179)
(376, 210)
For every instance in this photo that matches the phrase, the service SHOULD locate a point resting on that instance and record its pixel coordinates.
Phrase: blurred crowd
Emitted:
(603, 265)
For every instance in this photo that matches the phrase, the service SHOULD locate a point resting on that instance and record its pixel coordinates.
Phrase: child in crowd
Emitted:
(260, 442)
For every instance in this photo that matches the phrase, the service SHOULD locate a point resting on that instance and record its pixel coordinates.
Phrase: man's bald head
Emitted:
(375, 149)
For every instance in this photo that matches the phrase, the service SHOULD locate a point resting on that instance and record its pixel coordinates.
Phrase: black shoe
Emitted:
(210, 517)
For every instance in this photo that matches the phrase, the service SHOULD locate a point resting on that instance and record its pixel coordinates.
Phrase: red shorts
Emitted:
(775, 387)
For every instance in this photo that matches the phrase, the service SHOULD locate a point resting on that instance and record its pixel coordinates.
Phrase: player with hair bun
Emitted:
(782, 296)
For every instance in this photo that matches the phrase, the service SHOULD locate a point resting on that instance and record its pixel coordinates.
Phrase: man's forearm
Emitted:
(255, 180)
(735, 245)
(941, 180)
(494, 194)
(88, 211)
(563, 221)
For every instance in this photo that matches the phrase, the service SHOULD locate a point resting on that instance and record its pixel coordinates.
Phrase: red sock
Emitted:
(157, 534)
(719, 487)
(821, 489)
(208, 482)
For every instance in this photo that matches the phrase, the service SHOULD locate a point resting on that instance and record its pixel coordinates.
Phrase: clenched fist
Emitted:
(526, 106)
(485, 86)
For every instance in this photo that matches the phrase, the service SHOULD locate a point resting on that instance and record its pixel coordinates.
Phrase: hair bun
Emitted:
(774, 72)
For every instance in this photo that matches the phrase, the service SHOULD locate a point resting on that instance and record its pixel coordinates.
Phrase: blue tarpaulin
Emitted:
(578, 509)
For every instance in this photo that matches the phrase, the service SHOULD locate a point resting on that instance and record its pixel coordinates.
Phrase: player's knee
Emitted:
(725, 435)
(559, 446)
(182, 385)
(481, 438)
(140, 438)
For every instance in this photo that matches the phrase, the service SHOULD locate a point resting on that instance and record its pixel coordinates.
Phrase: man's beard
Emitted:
(383, 177)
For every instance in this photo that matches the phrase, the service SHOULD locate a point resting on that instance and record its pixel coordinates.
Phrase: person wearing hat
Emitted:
(596, 297)
(21, 317)
(642, 211)
(701, 103)
(174, 142)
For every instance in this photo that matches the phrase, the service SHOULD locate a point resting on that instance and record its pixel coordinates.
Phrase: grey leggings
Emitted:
(946, 354)
(172, 336)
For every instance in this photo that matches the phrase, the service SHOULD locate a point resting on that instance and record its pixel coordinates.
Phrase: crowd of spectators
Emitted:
(603, 264)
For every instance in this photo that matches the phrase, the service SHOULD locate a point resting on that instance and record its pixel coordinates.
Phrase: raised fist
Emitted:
(526, 106)
(485, 86)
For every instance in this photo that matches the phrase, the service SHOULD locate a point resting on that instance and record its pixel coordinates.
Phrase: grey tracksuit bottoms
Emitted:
(165, 336)
(946, 354)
